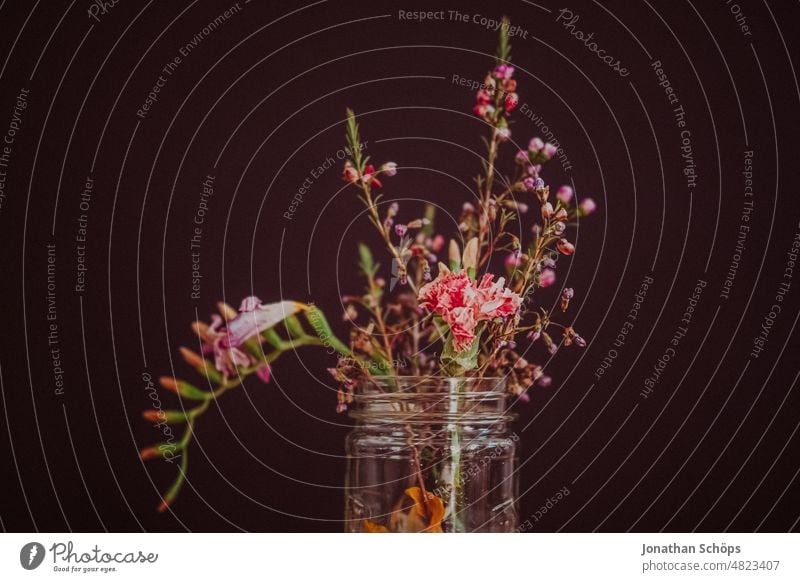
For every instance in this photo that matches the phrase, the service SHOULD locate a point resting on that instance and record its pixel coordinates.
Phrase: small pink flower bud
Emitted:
(503, 72)
(529, 184)
(503, 133)
(547, 210)
(561, 215)
(587, 206)
(550, 150)
(389, 168)
(484, 97)
(565, 194)
(437, 244)
(349, 174)
(559, 228)
(400, 229)
(547, 277)
(521, 157)
(522, 208)
(565, 247)
(546, 381)
(579, 341)
(535, 145)
(513, 260)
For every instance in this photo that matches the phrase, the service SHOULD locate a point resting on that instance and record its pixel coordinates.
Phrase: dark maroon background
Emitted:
(713, 448)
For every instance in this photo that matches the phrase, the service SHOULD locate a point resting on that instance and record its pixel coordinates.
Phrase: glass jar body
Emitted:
(431, 455)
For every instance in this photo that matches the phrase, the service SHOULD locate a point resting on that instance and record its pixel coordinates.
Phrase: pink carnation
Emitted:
(462, 325)
(462, 303)
(495, 299)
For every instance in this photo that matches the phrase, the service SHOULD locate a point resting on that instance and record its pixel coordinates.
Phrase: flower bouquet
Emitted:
(430, 361)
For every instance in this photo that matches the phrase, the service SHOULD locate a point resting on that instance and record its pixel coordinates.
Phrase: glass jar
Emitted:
(431, 454)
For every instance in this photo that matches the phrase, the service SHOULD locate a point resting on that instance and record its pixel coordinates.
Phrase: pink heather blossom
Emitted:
(389, 168)
(511, 101)
(369, 176)
(547, 277)
(513, 260)
(547, 210)
(587, 206)
(349, 174)
(535, 145)
(550, 150)
(483, 109)
(565, 194)
(484, 97)
(503, 72)
(522, 157)
(503, 133)
(565, 247)
(462, 303)
(561, 215)
(529, 183)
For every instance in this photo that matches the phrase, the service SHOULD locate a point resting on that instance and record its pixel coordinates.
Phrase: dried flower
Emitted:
(567, 294)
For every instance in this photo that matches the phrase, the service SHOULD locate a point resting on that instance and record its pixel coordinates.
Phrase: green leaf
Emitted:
(273, 339)
(323, 330)
(503, 47)
(430, 214)
(208, 370)
(191, 392)
(367, 263)
(354, 140)
(457, 363)
(294, 327)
